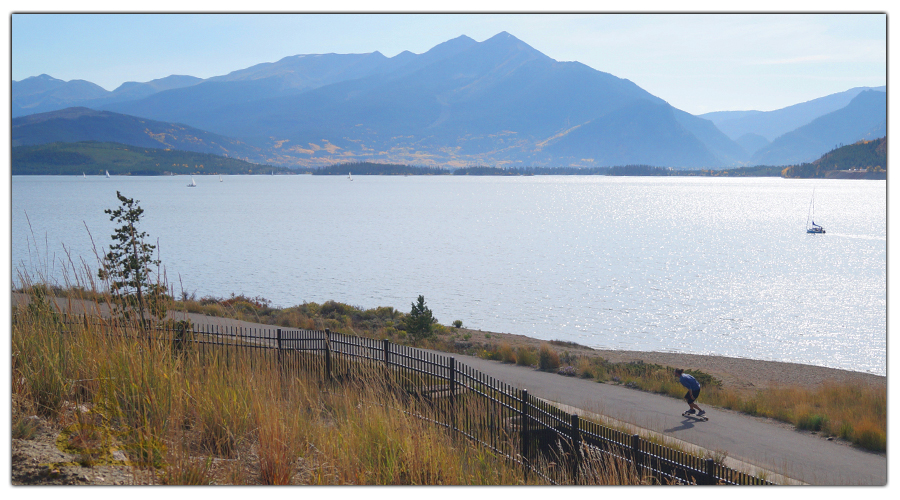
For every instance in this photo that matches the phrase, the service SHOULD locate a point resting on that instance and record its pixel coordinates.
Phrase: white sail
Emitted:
(811, 226)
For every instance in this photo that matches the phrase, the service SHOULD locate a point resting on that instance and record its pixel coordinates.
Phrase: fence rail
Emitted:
(486, 410)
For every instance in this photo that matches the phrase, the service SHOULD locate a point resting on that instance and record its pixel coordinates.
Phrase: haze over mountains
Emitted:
(499, 102)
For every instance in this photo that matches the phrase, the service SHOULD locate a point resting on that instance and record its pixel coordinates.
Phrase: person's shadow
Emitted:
(687, 423)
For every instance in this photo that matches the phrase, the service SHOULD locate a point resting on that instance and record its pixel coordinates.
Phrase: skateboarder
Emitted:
(693, 392)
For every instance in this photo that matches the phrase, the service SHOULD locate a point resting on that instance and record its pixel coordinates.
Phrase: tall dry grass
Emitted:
(853, 412)
(215, 417)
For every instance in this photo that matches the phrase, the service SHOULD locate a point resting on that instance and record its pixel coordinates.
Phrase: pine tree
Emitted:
(127, 266)
(419, 321)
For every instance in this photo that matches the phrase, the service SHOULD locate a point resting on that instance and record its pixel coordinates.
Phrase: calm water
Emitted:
(707, 266)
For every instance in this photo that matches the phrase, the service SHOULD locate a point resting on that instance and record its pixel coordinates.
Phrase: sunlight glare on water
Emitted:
(700, 265)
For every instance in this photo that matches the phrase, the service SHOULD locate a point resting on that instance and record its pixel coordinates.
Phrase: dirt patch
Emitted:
(39, 461)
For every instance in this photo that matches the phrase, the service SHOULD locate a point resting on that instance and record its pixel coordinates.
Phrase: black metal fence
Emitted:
(503, 418)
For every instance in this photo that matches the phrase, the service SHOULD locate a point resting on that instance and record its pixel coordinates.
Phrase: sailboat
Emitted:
(83, 176)
(220, 178)
(107, 174)
(811, 226)
(192, 184)
(350, 176)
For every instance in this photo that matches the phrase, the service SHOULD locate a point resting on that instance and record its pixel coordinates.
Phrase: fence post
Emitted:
(278, 341)
(636, 456)
(328, 355)
(386, 346)
(711, 470)
(523, 414)
(452, 368)
(575, 433)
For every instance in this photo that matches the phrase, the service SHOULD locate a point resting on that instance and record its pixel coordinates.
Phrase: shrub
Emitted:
(548, 359)
(525, 357)
(506, 353)
(457, 323)
(491, 354)
(584, 368)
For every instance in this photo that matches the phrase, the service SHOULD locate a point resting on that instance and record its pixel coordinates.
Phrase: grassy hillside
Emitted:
(93, 158)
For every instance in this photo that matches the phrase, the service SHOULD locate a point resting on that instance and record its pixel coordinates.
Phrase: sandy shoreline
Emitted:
(735, 373)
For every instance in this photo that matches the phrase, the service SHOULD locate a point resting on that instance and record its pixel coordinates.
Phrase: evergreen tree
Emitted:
(419, 321)
(127, 266)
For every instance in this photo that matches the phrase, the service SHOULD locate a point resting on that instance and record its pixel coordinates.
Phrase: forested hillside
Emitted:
(864, 159)
(95, 158)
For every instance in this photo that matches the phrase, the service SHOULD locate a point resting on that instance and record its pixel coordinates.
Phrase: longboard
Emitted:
(695, 417)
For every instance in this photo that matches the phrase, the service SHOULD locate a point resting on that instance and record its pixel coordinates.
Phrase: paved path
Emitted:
(766, 444)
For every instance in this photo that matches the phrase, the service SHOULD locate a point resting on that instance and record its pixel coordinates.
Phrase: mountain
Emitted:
(650, 128)
(129, 91)
(45, 93)
(752, 142)
(462, 102)
(865, 117)
(498, 102)
(83, 124)
(771, 124)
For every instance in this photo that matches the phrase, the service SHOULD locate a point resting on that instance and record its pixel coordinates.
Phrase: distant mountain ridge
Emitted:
(84, 124)
(497, 102)
(771, 124)
(864, 118)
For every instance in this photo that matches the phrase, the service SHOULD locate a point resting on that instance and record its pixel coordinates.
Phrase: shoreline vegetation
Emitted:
(862, 160)
(832, 403)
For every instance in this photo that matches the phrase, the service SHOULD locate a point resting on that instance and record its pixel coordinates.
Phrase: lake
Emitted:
(699, 265)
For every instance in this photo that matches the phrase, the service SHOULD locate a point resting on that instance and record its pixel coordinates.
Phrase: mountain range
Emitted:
(499, 102)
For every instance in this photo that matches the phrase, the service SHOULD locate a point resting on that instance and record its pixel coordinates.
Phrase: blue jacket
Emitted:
(689, 382)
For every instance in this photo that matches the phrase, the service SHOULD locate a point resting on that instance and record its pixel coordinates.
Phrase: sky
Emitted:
(698, 62)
